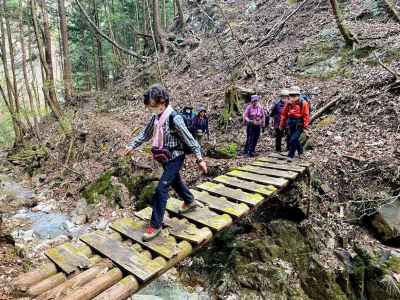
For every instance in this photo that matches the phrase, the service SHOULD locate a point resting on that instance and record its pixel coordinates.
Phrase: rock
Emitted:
(386, 222)
(224, 151)
(146, 195)
(46, 207)
(79, 219)
(102, 224)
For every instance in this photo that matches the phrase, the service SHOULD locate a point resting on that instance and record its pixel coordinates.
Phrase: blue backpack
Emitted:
(305, 97)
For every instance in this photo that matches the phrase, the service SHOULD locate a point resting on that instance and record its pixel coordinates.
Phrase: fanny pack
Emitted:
(161, 155)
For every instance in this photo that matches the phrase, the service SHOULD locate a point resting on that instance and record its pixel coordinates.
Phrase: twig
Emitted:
(391, 71)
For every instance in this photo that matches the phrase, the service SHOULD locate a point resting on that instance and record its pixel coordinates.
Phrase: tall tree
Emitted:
(9, 100)
(45, 54)
(181, 18)
(67, 69)
(157, 30)
(348, 36)
(25, 71)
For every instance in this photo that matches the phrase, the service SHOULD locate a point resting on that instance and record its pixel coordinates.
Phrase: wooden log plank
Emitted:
(282, 166)
(76, 281)
(121, 290)
(230, 193)
(286, 158)
(46, 284)
(278, 182)
(265, 190)
(180, 228)
(164, 244)
(26, 280)
(221, 204)
(201, 215)
(96, 286)
(125, 257)
(269, 172)
(69, 257)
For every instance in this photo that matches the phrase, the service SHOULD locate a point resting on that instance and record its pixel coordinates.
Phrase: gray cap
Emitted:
(284, 92)
(294, 90)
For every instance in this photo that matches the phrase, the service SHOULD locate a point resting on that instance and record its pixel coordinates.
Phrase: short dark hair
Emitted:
(157, 93)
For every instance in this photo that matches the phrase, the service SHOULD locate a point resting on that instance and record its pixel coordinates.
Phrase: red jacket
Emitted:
(296, 110)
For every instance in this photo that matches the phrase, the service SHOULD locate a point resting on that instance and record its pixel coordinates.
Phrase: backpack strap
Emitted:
(171, 123)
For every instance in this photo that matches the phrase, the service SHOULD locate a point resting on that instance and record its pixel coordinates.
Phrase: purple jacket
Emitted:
(276, 111)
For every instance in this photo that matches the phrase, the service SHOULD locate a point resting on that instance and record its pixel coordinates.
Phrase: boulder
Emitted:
(386, 222)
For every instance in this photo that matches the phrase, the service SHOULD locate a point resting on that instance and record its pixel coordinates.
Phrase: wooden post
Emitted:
(78, 280)
(24, 281)
(121, 290)
(46, 284)
(96, 286)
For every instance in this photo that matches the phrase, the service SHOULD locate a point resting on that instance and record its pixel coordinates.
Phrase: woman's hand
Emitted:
(128, 151)
(203, 166)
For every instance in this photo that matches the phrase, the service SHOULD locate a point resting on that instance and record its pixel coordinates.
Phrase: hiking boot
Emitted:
(188, 207)
(150, 233)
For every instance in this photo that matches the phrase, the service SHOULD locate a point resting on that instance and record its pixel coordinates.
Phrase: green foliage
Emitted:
(6, 128)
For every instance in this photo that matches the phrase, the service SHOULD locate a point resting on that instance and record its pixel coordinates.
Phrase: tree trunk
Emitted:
(34, 82)
(10, 100)
(158, 32)
(54, 104)
(67, 69)
(25, 72)
(40, 47)
(99, 71)
(164, 10)
(348, 36)
(392, 9)
(181, 18)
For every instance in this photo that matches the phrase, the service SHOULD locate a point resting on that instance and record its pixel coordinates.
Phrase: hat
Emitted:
(255, 98)
(284, 92)
(294, 90)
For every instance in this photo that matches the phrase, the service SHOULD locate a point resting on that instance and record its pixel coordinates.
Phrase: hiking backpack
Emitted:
(305, 97)
(188, 122)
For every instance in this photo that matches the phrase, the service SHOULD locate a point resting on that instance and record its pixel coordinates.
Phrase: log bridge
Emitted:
(116, 263)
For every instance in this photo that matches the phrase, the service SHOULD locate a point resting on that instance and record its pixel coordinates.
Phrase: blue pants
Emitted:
(253, 134)
(295, 130)
(169, 178)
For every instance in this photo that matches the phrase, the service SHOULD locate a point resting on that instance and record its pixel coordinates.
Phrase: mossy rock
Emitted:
(30, 157)
(227, 151)
(146, 195)
(101, 186)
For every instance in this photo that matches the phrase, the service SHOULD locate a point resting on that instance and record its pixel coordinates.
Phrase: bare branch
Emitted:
(129, 52)
(387, 68)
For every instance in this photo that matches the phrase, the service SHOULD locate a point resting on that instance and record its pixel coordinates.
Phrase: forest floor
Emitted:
(354, 146)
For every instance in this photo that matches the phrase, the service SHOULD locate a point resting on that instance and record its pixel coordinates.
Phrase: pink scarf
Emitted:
(158, 136)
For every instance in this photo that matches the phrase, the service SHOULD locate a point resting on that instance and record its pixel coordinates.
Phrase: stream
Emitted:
(36, 228)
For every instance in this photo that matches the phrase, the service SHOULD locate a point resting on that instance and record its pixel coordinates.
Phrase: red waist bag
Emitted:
(161, 155)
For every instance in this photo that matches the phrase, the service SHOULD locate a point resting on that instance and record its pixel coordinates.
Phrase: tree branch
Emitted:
(129, 52)
(393, 72)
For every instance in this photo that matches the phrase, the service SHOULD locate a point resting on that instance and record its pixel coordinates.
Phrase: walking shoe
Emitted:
(188, 207)
(150, 233)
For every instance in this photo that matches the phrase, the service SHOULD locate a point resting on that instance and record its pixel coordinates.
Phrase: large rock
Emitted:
(386, 222)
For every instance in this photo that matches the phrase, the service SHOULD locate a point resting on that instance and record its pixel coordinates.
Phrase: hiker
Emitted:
(188, 116)
(254, 118)
(275, 113)
(170, 139)
(297, 115)
(200, 124)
